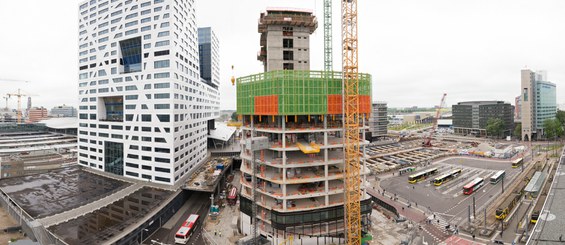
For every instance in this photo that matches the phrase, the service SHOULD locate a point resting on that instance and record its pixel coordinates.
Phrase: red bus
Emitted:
(184, 232)
(473, 186)
(232, 196)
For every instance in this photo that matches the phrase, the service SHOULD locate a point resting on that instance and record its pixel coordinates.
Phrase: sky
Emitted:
(415, 50)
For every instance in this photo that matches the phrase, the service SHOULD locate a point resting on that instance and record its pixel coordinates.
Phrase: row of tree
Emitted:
(553, 128)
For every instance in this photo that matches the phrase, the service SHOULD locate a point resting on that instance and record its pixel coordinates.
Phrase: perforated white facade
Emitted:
(143, 109)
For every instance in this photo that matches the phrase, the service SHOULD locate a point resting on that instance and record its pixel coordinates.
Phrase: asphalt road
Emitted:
(199, 203)
(448, 200)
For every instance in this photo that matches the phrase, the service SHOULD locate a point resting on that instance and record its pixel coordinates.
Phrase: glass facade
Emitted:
(280, 220)
(546, 102)
(131, 54)
(114, 157)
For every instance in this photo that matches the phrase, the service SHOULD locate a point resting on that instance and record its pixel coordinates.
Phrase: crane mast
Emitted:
(428, 140)
(328, 56)
(352, 201)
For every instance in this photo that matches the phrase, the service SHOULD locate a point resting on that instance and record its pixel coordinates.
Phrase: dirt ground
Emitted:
(386, 230)
(7, 221)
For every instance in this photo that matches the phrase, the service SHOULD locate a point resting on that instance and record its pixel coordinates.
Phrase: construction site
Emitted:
(301, 173)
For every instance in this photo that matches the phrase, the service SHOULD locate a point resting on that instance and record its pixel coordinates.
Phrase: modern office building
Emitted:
(63, 111)
(285, 38)
(378, 121)
(300, 187)
(209, 51)
(471, 118)
(143, 108)
(539, 103)
(37, 114)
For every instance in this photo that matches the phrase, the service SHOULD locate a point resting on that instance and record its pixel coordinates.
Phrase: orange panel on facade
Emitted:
(267, 105)
(364, 104)
(334, 104)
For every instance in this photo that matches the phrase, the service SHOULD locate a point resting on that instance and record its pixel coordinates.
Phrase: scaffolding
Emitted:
(292, 92)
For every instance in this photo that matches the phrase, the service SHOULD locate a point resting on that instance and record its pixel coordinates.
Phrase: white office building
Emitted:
(143, 109)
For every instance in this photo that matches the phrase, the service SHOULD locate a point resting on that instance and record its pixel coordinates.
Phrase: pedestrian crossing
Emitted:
(438, 221)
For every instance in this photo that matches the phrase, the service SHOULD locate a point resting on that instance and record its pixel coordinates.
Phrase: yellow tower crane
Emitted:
(18, 94)
(352, 203)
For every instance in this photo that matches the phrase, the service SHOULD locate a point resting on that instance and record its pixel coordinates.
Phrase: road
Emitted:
(448, 201)
(198, 203)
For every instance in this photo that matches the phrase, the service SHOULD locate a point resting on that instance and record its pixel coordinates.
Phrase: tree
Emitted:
(234, 116)
(518, 130)
(495, 126)
(552, 128)
(560, 117)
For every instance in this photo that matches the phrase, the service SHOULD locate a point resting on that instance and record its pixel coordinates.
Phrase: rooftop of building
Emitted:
(61, 122)
(30, 141)
(222, 131)
(104, 224)
(44, 195)
(549, 228)
(288, 17)
(482, 102)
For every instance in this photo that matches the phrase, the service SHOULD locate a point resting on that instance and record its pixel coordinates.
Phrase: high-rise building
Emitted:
(300, 187)
(37, 114)
(285, 38)
(471, 118)
(378, 121)
(209, 50)
(143, 108)
(539, 103)
(63, 111)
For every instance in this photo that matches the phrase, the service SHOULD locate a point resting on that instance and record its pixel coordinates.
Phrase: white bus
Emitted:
(495, 178)
(185, 231)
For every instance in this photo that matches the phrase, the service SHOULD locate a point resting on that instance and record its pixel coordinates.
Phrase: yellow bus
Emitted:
(415, 178)
(446, 177)
(516, 163)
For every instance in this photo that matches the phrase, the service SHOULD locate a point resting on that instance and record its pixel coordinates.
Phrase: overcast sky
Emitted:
(415, 49)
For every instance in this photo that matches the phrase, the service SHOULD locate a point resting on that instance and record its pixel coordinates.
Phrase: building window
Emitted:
(288, 43)
(161, 64)
(288, 55)
(146, 118)
(287, 31)
(288, 66)
(162, 43)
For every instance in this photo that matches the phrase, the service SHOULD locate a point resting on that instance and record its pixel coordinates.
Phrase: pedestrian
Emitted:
(215, 232)
(473, 236)
(220, 233)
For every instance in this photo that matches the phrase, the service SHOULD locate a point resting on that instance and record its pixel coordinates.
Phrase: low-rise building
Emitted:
(37, 113)
(63, 111)
(471, 118)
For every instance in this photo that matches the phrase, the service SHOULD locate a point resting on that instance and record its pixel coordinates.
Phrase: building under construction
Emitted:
(299, 188)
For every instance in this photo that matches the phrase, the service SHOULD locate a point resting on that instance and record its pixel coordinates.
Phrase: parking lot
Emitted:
(447, 201)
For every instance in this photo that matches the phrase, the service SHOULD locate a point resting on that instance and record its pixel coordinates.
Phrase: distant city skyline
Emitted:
(415, 51)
